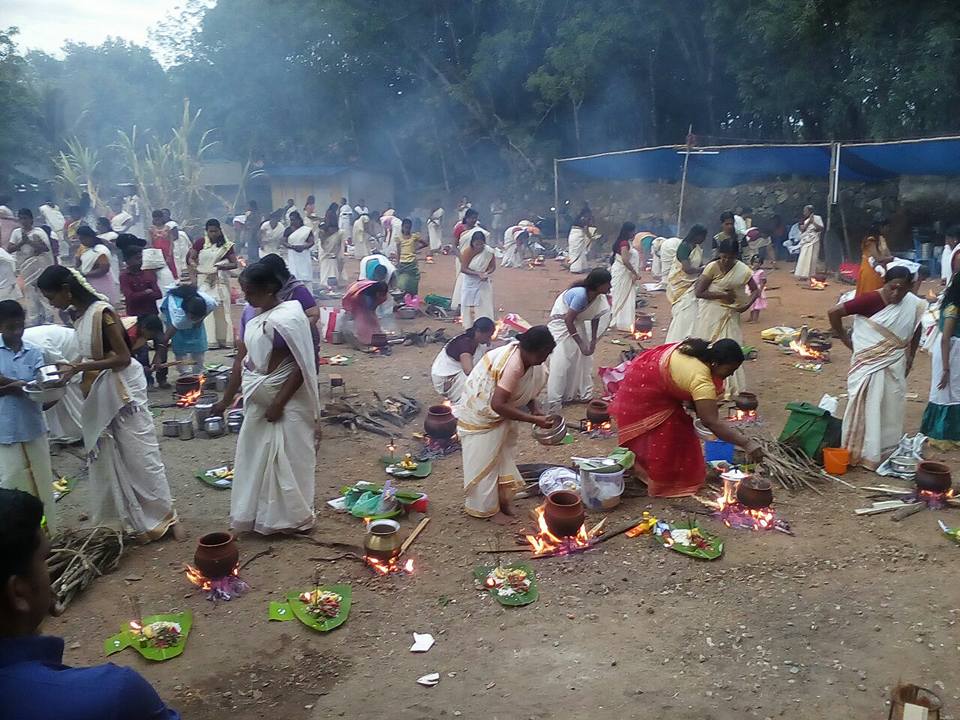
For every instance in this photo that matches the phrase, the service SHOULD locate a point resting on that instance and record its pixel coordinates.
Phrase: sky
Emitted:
(48, 24)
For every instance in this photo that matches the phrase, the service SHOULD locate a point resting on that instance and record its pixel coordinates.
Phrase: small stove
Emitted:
(544, 543)
(393, 566)
(597, 431)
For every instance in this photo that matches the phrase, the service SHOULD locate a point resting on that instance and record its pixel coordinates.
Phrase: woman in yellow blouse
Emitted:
(652, 421)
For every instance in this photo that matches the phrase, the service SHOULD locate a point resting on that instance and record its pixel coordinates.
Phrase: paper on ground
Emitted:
(429, 680)
(422, 642)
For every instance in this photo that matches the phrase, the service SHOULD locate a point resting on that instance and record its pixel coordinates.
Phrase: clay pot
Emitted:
(217, 554)
(440, 423)
(756, 495)
(187, 383)
(597, 411)
(642, 323)
(382, 541)
(378, 339)
(746, 401)
(563, 513)
(933, 476)
(820, 276)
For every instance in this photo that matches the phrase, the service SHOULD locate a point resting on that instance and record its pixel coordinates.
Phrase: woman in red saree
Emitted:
(362, 300)
(652, 421)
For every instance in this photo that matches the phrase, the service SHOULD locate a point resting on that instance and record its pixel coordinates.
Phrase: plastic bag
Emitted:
(559, 478)
(911, 446)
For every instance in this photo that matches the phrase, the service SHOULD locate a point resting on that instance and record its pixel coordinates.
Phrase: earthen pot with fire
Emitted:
(440, 423)
(746, 401)
(597, 411)
(217, 554)
(187, 383)
(643, 323)
(563, 513)
(933, 477)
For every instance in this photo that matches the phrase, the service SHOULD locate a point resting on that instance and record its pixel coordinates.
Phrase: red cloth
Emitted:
(865, 305)
(651, 421)
(140, 292)
(458, 230)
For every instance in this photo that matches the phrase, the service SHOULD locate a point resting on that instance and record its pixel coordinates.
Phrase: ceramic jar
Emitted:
(440, 423)
(563, 513)
(217, 554)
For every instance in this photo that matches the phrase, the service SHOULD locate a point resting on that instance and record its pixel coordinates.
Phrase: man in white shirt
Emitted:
(31, 247)
(361, 208)
(120, 221)
(271, 235)
(52, 217)
(345, 217)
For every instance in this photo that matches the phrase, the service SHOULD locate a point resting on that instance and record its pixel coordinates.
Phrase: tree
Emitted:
(21, 137)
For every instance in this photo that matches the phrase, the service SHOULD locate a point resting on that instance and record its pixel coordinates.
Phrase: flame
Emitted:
(190, 398)
(546, 543)
(738, 415)
(202, 581)
(933, 499)
(639, 336)
(499, 328)
(817, 284)
(733, 514)
(391, 566)
(805, 351)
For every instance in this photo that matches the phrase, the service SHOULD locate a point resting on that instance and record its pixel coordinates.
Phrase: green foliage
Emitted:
(21, 136)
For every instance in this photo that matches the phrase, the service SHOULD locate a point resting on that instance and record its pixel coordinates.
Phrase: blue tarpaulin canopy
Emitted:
(720, 166)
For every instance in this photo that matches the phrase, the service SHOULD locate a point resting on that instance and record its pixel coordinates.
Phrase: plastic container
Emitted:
(601, 490)
(716, 450)
(836, 460)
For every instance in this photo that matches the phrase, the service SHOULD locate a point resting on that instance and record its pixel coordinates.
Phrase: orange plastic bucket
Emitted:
(836, 460)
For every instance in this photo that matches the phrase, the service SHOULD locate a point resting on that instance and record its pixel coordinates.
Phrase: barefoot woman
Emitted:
(128, 483)
(500, 392)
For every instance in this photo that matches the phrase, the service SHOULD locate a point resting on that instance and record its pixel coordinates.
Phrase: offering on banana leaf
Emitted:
(321, 603)
(690, 540)
(952, 533)
(161, 634)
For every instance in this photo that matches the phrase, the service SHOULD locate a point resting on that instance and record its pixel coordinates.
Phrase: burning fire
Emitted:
(499, 328)
(604, 427)
(805, 351)
(735, 515)
(638, 335)
(817, 285)
(738, 415)
(546, 543)
(224, 588)
(190, 398)
(391, 566)
(935, 500)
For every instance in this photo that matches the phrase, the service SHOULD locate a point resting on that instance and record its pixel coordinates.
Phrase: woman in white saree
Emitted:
(811, 228)
(723, 298)
(571, 365)
(274, 477)
(94, 261)
(681, 282)
(477, 264)
(298, 244)
(456, 361)
(213, 258)
(515, 239)
(128, 483)
(625, 276)
(885, 337)
(500, 392)
(579, 240)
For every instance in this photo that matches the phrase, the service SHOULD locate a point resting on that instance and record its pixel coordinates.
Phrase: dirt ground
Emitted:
(818, 625)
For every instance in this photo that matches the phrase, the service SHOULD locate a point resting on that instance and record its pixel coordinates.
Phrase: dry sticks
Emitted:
(788, 466)
(77, 558)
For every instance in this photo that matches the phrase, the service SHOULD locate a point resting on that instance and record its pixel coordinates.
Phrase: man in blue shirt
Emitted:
(34, 682)
(24, 447)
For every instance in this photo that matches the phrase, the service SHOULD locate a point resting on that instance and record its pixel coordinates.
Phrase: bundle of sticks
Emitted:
(375, 417)
(790, 467)
(78, 557)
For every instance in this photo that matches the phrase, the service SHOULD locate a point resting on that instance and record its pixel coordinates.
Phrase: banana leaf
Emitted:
(422, 470)
(713, 550)
(126, 638)
(296, 608)
(206, 476)
(481, 572)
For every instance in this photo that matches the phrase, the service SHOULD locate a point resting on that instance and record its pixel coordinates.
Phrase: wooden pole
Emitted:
(556, 202)
(683, 182)
(413, 536)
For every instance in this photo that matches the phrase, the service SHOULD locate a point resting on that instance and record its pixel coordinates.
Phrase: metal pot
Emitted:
(185, 428)
(48, 374)
(214, 426)
(202, 411)
(336, 338)
(382, 541)
(171, 428)
(746, 401)
(756, 494)
(234, 420)
(552, 435)
(220, 382)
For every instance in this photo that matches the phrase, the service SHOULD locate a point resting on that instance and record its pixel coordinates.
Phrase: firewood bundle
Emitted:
(78, 557)
(382, 416)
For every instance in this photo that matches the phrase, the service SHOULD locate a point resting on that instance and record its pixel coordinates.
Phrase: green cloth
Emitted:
(408, 277)
(950, 311)
(941, 422)
(683, 251)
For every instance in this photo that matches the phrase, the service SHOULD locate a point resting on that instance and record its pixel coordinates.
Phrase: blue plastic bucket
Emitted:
(716, 450)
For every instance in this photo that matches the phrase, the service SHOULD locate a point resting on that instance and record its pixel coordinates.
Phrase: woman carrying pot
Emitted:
(650, 410)
(499, 394)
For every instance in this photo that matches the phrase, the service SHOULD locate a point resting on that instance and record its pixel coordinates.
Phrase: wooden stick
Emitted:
(842, 482)
(618, 531)
(907, 510)
(413, 536)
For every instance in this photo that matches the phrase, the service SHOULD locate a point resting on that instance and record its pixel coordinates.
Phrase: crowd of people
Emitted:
(109, 304)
